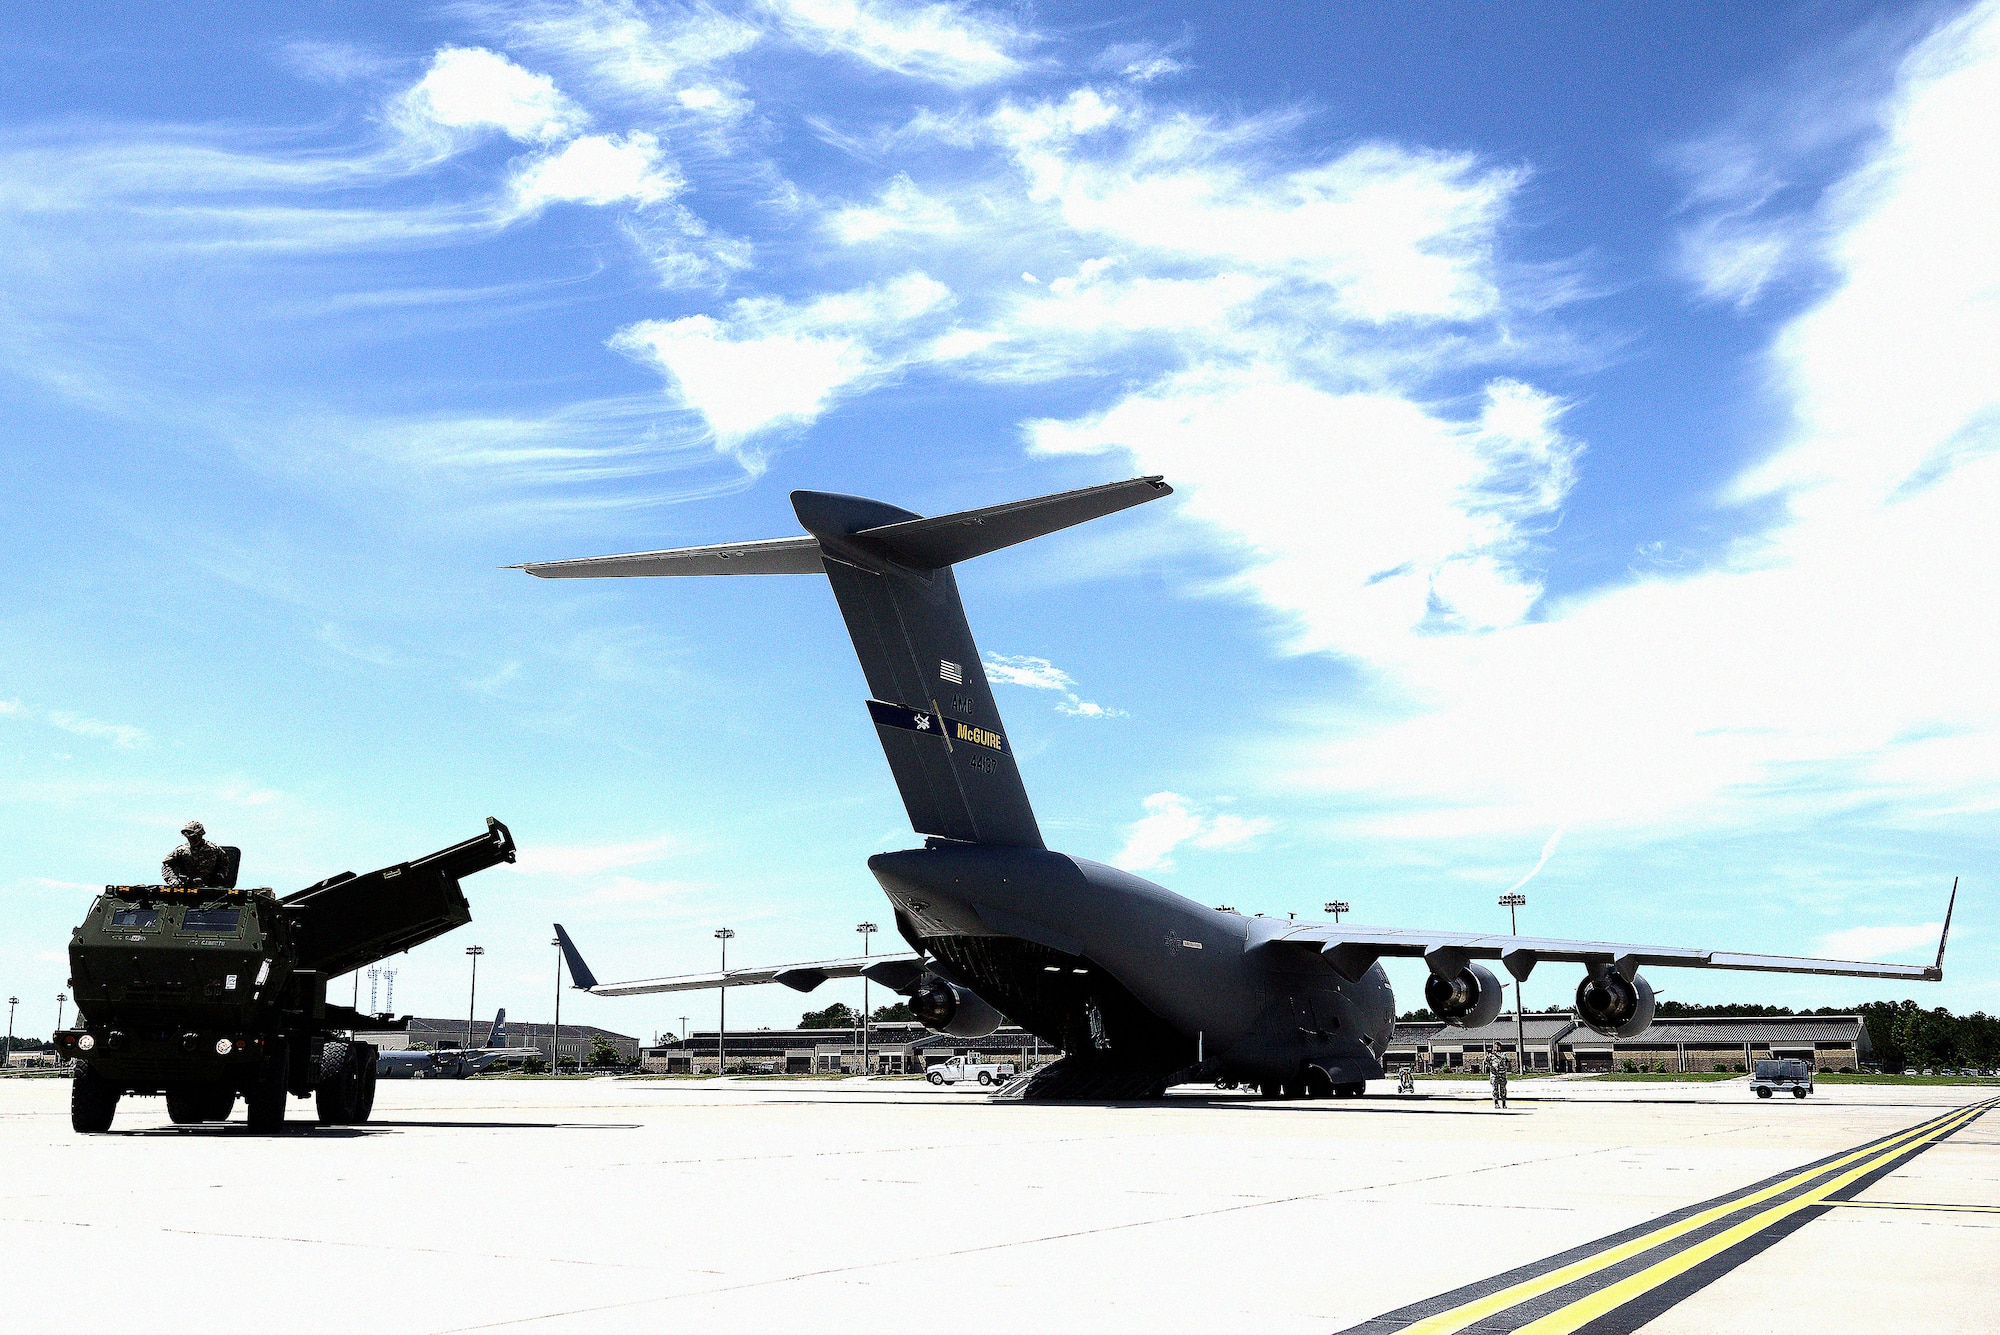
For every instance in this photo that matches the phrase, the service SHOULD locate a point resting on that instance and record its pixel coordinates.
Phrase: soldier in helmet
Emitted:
(196, 862)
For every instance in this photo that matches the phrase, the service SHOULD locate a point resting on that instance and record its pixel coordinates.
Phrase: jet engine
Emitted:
(951, 1009)
(1468, 999)
(1611, 1006)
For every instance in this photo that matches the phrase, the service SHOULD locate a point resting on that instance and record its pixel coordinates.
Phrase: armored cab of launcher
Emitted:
(207, 993)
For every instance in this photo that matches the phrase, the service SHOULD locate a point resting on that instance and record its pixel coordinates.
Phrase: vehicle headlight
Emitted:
(223, 1047)
(86, 1042)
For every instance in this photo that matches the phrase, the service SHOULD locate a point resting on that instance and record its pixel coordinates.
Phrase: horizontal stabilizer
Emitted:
(928, 544)
(773, 556)
(921, 544)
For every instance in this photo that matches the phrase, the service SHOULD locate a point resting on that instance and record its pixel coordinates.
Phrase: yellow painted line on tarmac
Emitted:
(1458, 1318)
(1588, 1308)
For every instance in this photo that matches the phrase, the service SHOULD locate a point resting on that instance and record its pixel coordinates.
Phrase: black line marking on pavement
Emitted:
(1520, 1314)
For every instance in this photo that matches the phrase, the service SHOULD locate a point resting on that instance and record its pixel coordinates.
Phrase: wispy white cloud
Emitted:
(1172, 821)
(654, 56)
(118, 734)
(952, 44)
(471, 88)
(1839, 662)
(771, 364)
(599, 169)
(1041, 675)
(1874, 943)
(901, 209)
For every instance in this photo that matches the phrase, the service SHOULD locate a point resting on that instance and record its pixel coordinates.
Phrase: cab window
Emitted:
(210, 920)
(135, 918)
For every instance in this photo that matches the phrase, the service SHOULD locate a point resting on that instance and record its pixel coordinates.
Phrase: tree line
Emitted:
(841, 1016)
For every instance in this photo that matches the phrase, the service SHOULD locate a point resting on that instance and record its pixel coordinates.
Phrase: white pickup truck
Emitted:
(963, 1068)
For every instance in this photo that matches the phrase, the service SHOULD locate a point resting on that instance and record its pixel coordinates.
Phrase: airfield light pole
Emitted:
(472, 1003)
(61, 997)
(722, 934)
(867, 930)
(7, 1056)
(555, 1033)
(1337, 907)
(1513, 903)
(684, 1034)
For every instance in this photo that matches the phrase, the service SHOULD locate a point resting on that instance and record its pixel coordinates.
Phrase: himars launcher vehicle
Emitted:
(205, 993)
(1137, 985)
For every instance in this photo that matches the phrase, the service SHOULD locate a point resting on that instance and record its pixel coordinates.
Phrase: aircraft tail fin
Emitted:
(496, 1037)
(580, 976)
(933, 709)
(891, 574)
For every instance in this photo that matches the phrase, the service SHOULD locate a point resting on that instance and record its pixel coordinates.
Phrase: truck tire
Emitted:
(1798, 1093)
(364, 1097)
(985, 1077)
(93, 1100)
(221, 1102)
(935, 1078)
(335, 1088)
(264, 1101)
(1763, 1093)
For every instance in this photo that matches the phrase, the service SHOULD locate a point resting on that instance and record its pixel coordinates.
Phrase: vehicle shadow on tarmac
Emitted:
(313, 1130)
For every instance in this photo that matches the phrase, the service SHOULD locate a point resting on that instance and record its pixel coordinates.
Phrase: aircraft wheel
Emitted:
(188, 1106)
(1353, 1089)
(93, 1100)
(1270, 1089)
(221, 1103)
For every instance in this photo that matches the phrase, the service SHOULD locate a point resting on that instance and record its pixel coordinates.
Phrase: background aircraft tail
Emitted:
(891, 573)
(496, 1037)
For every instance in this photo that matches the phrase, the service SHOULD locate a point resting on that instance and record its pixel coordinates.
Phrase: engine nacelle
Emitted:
(1611, 1006)
(951, 1009)
(1468, 999)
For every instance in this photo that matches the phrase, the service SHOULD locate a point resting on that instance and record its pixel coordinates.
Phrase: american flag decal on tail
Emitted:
(951, 672)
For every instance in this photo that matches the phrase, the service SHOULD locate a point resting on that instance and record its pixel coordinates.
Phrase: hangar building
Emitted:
(1698, 1043)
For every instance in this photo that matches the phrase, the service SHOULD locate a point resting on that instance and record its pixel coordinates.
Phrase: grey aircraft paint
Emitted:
(1138, 986)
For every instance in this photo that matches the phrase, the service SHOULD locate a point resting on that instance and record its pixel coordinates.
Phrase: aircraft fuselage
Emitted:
(1126, 974)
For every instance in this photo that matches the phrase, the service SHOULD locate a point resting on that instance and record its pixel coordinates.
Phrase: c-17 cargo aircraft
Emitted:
(452, 1063)
(1138, 986)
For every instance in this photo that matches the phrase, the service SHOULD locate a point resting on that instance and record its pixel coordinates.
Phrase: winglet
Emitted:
(580, 975)
(1935, 973)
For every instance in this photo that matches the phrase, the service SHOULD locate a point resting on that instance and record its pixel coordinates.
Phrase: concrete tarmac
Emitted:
(564, 1207)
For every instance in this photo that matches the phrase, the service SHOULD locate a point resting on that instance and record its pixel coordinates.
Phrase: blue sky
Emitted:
(1582, 420)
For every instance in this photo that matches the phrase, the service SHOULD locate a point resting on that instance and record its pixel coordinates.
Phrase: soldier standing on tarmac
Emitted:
(195, 863)
(1496, 1070)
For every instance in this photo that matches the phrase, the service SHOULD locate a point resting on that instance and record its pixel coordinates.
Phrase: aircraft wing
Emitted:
(896, 972)
(1351, 949)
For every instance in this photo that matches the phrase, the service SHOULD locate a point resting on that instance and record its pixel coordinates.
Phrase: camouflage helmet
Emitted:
(194, 829)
